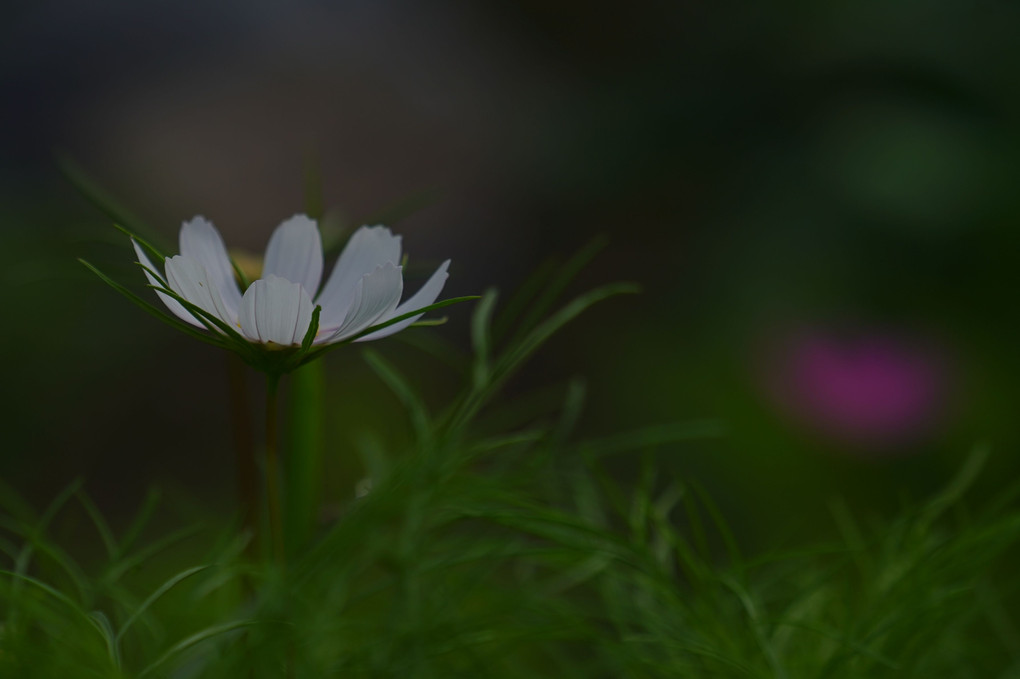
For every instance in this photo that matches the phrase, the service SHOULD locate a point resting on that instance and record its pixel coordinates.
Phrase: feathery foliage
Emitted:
(516, 554)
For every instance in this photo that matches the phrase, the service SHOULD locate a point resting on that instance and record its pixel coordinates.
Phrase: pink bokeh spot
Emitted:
(868, 389)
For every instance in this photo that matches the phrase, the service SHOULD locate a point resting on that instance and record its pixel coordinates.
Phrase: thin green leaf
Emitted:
(435, 346)
(403, 207)
(138, 523)
(33, 541)
(155, 596)
(721, 526)
(952, 493)
(313, 328)
(611, 489)
(315, 353)
(696, 649)
(153, 311)
(156, 253)
(211, 321)
(102, 527)
(15, 505)
(61, 558)
(757, 625)
(55, 593)
(9, 548)
(672, 496)
(155, 274)
(197, 638)
(537, 337)
(852, 535)
(149, 550)
(96, 195)
(842, 640)
(565, 530)
(398, 384)
(523, 297)
(481, 340)
(34, 533)
(552, 290)
(515, 356)
(638, 517)
(102, 623)
(58, 503)
(573, 404)
(430, 322)
(509, 440)
(373, 456)
(651, 437)
(410, 314)
(241, 276)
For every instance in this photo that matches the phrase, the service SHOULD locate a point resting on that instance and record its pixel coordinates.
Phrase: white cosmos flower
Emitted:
(363, 290)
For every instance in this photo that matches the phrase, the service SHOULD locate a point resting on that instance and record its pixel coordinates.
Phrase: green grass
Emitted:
(497, 544)
(513, 552)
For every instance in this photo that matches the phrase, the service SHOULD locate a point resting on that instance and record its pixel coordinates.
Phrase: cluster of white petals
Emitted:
(363, 290)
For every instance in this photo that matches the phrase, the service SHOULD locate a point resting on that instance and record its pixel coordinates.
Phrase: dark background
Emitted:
(781, 179)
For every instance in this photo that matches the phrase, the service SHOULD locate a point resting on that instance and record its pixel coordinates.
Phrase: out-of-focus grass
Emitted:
(513, 552)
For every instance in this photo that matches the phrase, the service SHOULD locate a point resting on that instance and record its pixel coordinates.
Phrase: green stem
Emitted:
(244, 447)
(273, 471)
(303, 438)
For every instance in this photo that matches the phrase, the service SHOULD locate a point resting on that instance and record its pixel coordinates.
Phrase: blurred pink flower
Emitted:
(869, 389)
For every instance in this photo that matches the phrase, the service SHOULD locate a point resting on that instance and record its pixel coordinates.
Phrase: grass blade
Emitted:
(102, 623)
(149, 550)
(651, 437)
(481, 337)
(404, 391)
(102, 527)
(139, 522)
(53, 592)
(552, 290)
(160, 591)
(316, 353)
(153, 311)
(514, 357)
(100, 198)
(194, 639)
(402, 207)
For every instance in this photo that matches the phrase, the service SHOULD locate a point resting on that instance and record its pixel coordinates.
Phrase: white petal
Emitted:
(171, 303)
(295, 253)
(190, 280)
(376, 295)
(367, 250)
(201, 242)
(275, 310)
(425, 296)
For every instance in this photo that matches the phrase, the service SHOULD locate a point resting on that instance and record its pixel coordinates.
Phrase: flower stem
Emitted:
(303, 441)
(244, 446)
(273, 471)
